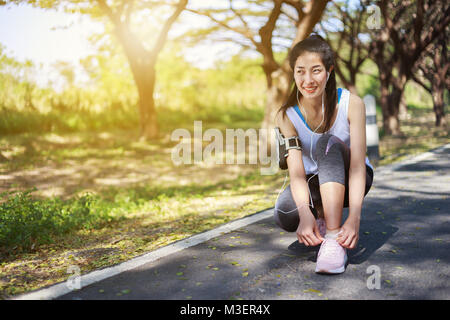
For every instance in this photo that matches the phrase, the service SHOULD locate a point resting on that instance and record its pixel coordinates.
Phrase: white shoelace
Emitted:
(330, 246)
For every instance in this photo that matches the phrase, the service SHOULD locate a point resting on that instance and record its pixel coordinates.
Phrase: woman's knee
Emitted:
(286, 221)
(325, 142)
(285, 211)
(333, 159)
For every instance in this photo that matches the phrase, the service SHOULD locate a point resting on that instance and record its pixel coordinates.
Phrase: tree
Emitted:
(141, 59)
(353, 26)
(410, 27)
(434, 66)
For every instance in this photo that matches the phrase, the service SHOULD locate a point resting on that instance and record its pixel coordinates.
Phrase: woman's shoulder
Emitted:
(285, 124)
(356, 106)
(355, 99)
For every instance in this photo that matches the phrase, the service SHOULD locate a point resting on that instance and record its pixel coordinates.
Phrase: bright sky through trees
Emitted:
(47, 36)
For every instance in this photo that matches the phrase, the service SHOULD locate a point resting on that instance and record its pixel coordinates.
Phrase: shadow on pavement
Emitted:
(371, 242)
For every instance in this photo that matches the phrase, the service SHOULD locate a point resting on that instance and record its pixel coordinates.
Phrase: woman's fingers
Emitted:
(342, 238)
(316, 239)
(318, 235)
(353, 243)
(347, 241)
(306, 240)
(313, 240)
(310, 239)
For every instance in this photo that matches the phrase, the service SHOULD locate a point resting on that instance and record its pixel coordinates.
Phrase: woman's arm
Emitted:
(357, 173)
(296, 168)
(307, 231)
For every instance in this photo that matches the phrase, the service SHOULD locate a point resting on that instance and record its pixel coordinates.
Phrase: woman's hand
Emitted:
(349, 235)
(308, 231)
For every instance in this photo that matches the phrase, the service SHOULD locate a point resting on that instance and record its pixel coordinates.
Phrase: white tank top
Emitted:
(340, 128)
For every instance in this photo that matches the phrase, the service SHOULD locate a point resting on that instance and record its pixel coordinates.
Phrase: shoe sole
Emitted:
(333, 271)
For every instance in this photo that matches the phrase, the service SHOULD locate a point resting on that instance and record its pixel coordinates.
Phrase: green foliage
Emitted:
(231, 94)
(234, 91)
(26, 222)
(417, 97)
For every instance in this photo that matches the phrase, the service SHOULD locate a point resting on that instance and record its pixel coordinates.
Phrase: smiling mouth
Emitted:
(310, 89)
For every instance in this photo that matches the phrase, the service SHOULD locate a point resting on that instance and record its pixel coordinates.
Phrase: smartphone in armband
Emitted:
(284, 144)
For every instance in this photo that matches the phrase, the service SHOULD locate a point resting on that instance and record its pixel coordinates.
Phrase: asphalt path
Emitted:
(403, 252)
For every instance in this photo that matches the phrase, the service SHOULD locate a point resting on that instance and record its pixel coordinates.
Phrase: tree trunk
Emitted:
(438, 103)
(145, 81)
(277, 93)
(439, 77)
(389, 103)
(394, 108)
(403, 109)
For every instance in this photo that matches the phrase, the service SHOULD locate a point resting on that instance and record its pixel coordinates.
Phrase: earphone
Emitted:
(310, 154)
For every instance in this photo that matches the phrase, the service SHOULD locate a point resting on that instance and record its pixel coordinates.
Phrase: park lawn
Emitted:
(154, 202)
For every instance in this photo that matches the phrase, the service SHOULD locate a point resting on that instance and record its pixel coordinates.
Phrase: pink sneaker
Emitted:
(322, 226)
(332, 257)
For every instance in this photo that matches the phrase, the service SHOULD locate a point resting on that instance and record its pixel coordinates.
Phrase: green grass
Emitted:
(26, 223)
(16, 122)
(13, 122)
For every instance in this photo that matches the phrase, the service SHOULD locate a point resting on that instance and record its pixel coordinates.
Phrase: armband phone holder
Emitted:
(284, 144)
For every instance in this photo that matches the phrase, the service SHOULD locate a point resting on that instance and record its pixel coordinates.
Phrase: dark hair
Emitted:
(314, 43)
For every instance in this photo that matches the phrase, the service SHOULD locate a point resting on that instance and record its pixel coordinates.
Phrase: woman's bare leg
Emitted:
(332, 194)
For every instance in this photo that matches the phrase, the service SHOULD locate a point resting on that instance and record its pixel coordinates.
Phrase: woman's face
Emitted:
(310, 75)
